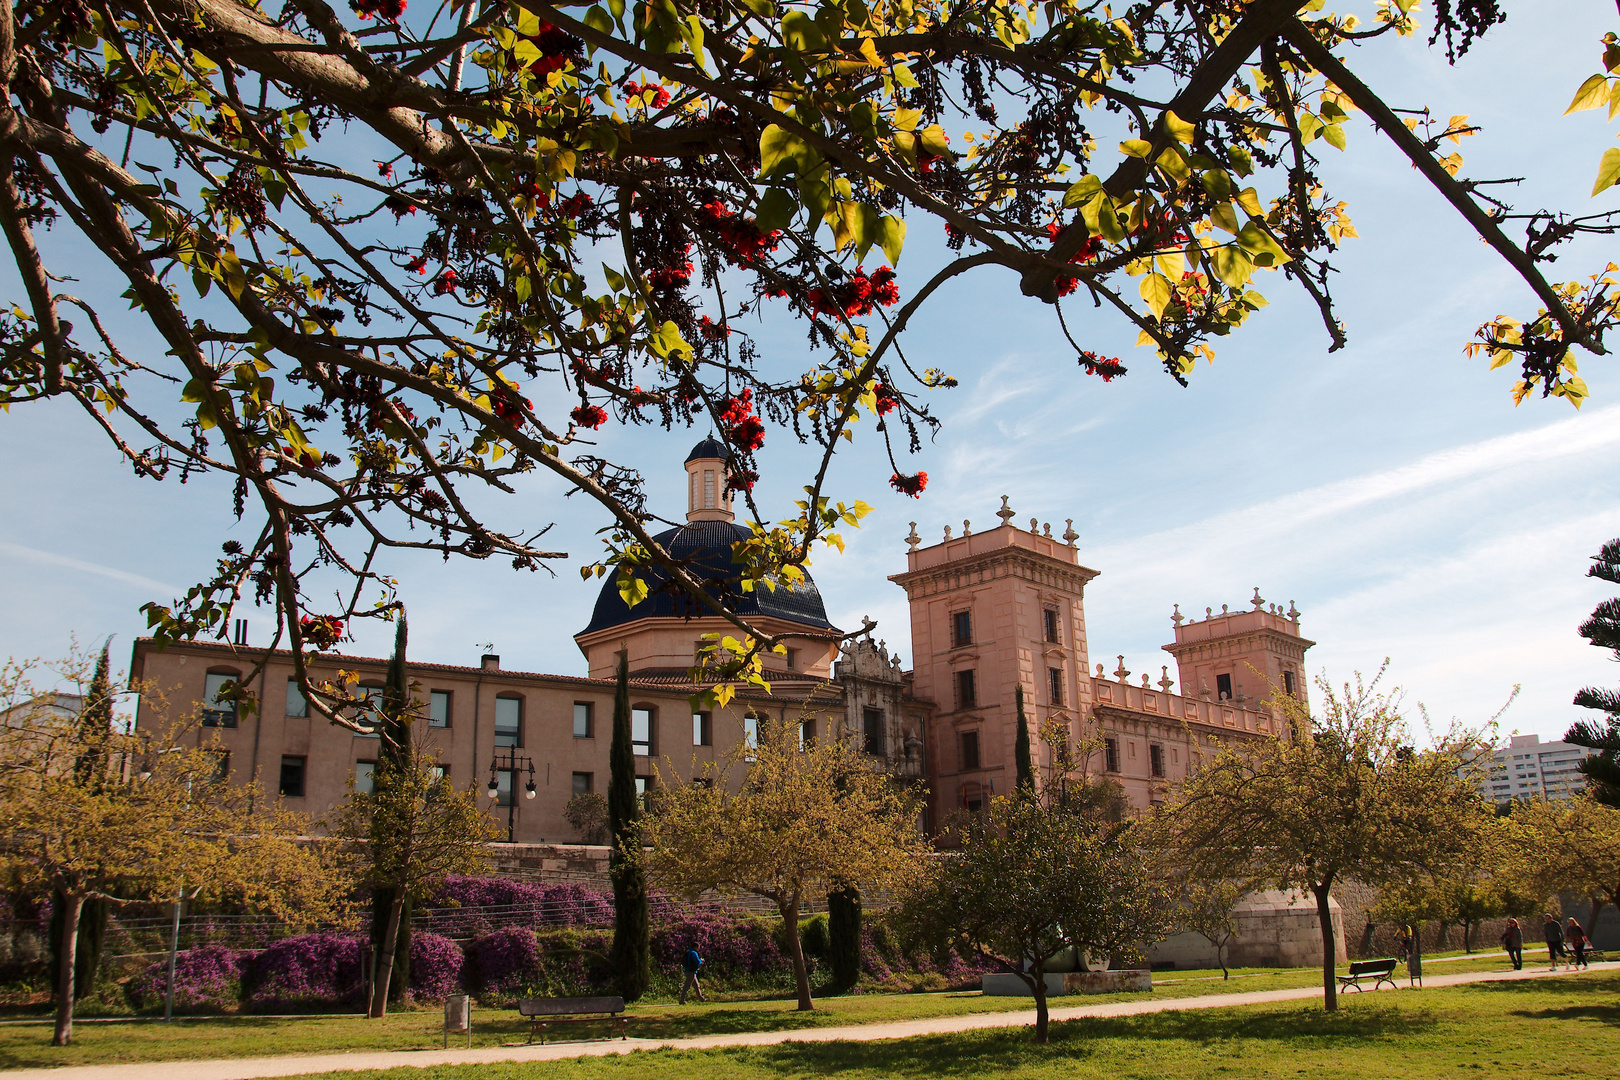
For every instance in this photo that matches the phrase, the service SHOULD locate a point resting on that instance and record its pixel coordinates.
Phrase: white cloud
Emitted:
(50, 558)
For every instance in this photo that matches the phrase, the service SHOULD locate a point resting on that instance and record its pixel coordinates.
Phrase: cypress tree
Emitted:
(1025, 764)
(631, 947)
(90, 771)
(393, 754)
(1602, 769)
(844, 937)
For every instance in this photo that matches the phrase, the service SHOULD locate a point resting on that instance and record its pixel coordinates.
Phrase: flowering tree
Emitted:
(398, 258)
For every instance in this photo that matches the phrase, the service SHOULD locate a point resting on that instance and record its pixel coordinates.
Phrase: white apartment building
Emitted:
(1527, 768)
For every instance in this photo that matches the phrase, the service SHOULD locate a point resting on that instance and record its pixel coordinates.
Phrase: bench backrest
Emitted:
(1371, 967)
(570, 1006)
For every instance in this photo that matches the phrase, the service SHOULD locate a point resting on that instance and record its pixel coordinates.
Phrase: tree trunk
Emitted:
(73, 904)
(1330, 960)
(1038, 988)
(1468, 936)
(1220, 957)
(385, 962)
(790, 930)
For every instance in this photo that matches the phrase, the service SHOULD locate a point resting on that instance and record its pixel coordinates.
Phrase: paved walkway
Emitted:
(257, 1068)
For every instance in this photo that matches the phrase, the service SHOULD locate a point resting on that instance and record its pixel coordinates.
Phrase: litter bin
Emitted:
(458, 1018)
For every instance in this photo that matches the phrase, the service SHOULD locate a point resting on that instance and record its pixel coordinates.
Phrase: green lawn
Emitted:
(1554, 1027)
(26, 1044)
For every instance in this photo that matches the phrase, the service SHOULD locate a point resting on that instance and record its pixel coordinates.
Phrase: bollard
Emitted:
(458, 1018)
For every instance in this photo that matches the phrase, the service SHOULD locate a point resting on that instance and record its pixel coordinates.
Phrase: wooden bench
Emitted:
(1379, 971)
(544, 1012)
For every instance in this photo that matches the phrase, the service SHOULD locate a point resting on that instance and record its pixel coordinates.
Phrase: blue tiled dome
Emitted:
(708, 545)
(709, 448)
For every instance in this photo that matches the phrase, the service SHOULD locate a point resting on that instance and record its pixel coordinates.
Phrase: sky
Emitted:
(1391, 490)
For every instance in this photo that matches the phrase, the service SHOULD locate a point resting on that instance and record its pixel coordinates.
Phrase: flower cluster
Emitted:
(909, 485)
(589, 416)
(886, 401)
(1089, 250)
(648, 94)
(436, 964)
(399, 205)
(856, 295)
(741, 479)
(446, 282)
(1105, 367)
(557, 48)
(740, 236)
(321, 631)
(743, 429)
(505, 403)
(462, 905)
(729, 946)
(677, 275)
(505, 962)
(388, 9)
(307, 970)
(208, 979)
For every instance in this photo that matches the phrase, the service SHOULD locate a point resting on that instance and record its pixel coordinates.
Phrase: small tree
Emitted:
(90, 813)
(801, 822)
(1340, 795)
(1030, 881)
(587, 812)
(1564, 847)
(631, 955)
(1206, 906)
(1021, 749)
(411, 831)
(1602, 769)
(395, 720)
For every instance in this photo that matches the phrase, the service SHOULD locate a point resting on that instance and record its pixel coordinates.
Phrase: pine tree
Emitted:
(630, 955)
(844, 936)
(394, 751)
(90, 772)
(1602, 769)
(1025, 763)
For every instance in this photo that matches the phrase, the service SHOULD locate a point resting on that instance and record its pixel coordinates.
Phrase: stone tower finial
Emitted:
(947, 532)
(1071, 536)
(1120, 673)
(1046, 530)
(967, 527)
(913, 539)
(1034, 525)
(1165, 681)
(1005, 513)
(1177, 617)
(1258, 603)
(1293, 613)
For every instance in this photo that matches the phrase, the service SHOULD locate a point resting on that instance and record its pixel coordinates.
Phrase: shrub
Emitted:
(567, 966)
(436, 964)
(300, 972)
(731, 947)
(493, 902)
(587, 812)
(504, 964)
(815, 937)
(206, 980)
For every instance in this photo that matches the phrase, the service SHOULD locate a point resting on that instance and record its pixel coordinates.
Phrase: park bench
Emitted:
(1379, 971)
(544, 1012)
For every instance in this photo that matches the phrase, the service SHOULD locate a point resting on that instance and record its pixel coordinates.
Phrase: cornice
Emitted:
(1039, 567)
(1177, 648)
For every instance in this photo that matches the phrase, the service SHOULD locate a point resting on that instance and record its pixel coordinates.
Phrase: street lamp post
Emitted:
(512, 763)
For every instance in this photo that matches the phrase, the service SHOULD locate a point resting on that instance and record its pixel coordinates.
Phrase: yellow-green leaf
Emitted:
(776, 145)
(802, 33)
(1156, 290)
(1608, 170)
(1082, 190)
(1139, 148)
(1593, 93)
(1179, 129)
(891, 237)
(1232, 265)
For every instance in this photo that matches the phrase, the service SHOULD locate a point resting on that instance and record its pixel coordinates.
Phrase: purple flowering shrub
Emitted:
(732, 948)
(314, 969)
(504, 964)
(436, 964)
(471, 906)
(573, 962)
(206, 980)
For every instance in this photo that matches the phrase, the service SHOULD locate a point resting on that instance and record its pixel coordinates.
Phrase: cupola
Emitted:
(707, 496)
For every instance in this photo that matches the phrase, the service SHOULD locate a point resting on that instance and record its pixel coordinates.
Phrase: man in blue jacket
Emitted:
(693, 963)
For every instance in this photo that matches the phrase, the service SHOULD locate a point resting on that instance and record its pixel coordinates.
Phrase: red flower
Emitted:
(557, 48)
(399, 206)
(321, 631)
(589, 416)
(574, 205)
(856, 295)
(659, 96)
(742, 480)
(388, 9)
(417, 265)
(674, 276)
(1106, 368)
(446, 282)
(384, 169)
(909, 485)
(505, 403)
(739, 236)
(309, 459)
(886, 401)
(744, 431)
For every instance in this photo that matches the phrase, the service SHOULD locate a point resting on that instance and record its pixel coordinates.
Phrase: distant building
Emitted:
(1528, 768)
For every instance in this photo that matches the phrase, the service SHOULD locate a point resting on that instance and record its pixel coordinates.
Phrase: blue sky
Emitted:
(1391, 490)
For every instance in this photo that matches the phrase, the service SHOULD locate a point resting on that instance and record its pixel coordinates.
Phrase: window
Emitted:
(1049, 618)
(872, 727)
(503, 787)
(1223, 687)
(292, 777)
(217, 713)
(1111, 755)
(751, 729)
(1288, 683)
(793, 659)
(708, 489)
(807, 734)
(438, 708)
(508, 721)
(644, 791)
(641, 731)
(966, 697)
(584, 726)
(365, 777)
(1156, 759)
(972, 798)
(222, 766)
(1054, 677)
(961, 628)
(970, 750)
(582, 783)
(702, 730)
(296, 705)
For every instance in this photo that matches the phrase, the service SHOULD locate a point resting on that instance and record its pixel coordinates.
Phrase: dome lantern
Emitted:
(707, 496)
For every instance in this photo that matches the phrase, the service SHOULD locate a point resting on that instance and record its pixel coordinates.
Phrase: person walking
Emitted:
(1553, 931)
(1577, 942)
(692, 963)
(1513, 942)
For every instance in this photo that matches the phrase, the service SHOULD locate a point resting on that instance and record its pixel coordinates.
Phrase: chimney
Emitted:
(241, 632)
(491, 662)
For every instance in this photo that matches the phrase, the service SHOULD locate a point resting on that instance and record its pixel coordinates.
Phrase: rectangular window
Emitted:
(503, 787)
(218, 713)
(807, 734)
(292, 777)
(1288, 683)
(872, 726)
(365, 777)
(508, 721)
(296, 705)
(972, 798)
(584, 722)
(751, 730)
(962, 628)
(644, 790)
(970, 750)
(641, 732)
(793, 659)
(222, 766)
(702, 730)
(1223, 687)
(1054, 678)
(1049, 618)
(1111, 755)
(1156, 759)
(438, 708)
(582, 783)
(708, 489)
(966, 694)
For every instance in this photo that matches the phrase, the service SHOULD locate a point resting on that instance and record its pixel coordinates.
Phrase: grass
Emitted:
(26, 1044)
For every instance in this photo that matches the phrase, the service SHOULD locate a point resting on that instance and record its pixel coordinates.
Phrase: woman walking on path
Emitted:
(1554, 933)
(1577, 941)
(1513, 942)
